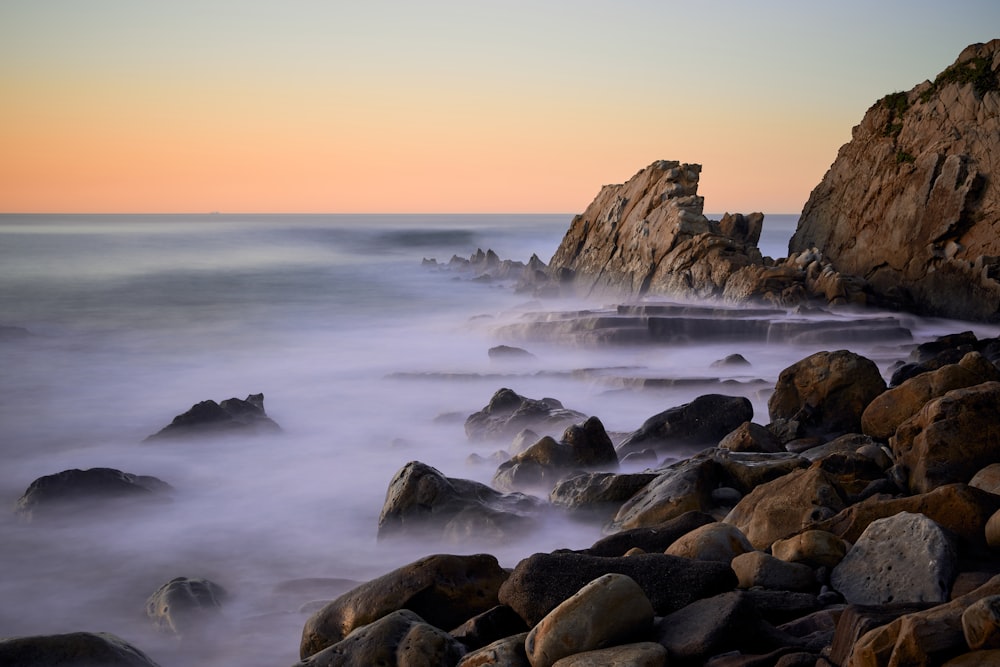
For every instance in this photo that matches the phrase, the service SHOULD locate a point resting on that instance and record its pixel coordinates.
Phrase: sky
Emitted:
(444, 106)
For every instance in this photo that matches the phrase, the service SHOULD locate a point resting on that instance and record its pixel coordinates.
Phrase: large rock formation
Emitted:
(912, 202)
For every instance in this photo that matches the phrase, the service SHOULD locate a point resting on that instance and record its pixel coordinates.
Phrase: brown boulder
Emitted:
(951, 438)
(826, 392)
(720, 542)
(685, 486)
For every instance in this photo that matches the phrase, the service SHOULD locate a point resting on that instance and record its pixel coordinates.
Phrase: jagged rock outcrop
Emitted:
(912, 202)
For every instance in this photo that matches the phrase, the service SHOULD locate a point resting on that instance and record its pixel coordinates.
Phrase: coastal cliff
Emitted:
(912, 202)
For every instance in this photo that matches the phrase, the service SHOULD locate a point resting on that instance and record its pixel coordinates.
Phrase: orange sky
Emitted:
(116, 106)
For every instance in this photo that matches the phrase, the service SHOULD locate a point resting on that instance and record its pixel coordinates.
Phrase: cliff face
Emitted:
(912, 202)
(629, 239)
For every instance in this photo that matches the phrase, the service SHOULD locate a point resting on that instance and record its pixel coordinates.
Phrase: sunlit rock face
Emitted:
(912, 202)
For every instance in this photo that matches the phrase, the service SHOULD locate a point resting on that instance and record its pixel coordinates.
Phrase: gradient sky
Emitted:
(444, 106)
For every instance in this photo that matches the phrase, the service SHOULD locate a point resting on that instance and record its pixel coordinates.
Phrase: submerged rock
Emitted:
(231, 416)
(508, 413)
(704, 421)
(183, 606)
(75, 649)
(75, 491)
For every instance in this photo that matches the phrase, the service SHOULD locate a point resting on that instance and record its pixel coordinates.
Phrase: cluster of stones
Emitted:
(858, 527)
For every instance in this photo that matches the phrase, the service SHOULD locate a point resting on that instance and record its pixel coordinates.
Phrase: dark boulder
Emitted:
(653, 539)
(75, 649)
(491, 625)
(598, 492)
(185, 606)
(73, 491)
(508, 413)
(540, 582)
(231, 416)
(702, 422)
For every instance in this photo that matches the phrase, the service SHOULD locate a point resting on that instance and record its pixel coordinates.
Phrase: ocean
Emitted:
(367, 359)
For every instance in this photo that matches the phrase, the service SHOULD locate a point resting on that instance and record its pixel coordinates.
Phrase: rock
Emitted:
(708, 627)
(420, 499)
(685, 486)
(976, 659)
(992, 531)
(506, 652)
(444, 590)
(884, 414)
(911, 202)
(731, 360)
(73, 491)
(509, 353)
(745, 471)
(826, 392)
(958, 508)
(399, 638)
(987, 479)
(784, 506)
(845, 444)
(600, 492)
(815, 548)
(903, 558)
(857, 620)
(610, 610)
(540, 582)
(491, 625)
(703, 421)
(75, 649)
(650, 539)
(642, 654)
(951, 438)
(750, 437)
(756, 568)
(921, 637)
(585, 446)
(720, 542)
(508, 413)
(981, 623)
(231, 416)
(184, 606)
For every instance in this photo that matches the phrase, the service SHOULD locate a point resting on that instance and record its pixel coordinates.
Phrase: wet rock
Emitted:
(751, 437)
(756, 568)
(444, 590)
(421, 499)
(491, 625)
(641, 654)
(540, 582)
(904, 558)
(827, 392)
(884, 414)
(231, 416)
(685, 486)
(583, 446)
(506, 652)
(815, 548)
(720, 542)
(987, 479)
(703, 421)
(398, 638)
(981, 623)
(601, 492)
(992, 531)
(75, 649)
(508, 413)
(574, 627)
(184, 606)
(951, 438)
(651, 539)
(989, 658)
(75, 491)
(745, 471)
(708, 627)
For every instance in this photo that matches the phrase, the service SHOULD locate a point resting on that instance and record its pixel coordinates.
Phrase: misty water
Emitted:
(366, 360)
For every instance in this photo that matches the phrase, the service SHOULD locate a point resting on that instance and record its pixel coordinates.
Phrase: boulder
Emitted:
(508, 413)
(989, 658)
(491, 625)
(827, 392)
(232, 416)
(815, 548)
(786, 505)
(506, 652)
(600, 492)
(981, 623)
(903, 558)
(745, 471)
(421, 499)
(710, 626)
(185, 606)
(610, 610)
(751, 437)
(641, 654)
(685, 486)
(651, 539)
(73, 491)
(444, 590)
(583, 446)
(400, 638)
(540, 582)
(912, 202)
(704, 421)
(951, 438)
(987, 479)
(884, 414)
(75, 649)
(720, 542)
(992, 531)
(758, 569)
(510, 353)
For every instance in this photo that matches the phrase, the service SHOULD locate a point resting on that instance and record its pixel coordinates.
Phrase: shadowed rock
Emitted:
(232, 416)
(508, 413)
(76, 649)
(183, 606)
(75, 491)
(704, 421)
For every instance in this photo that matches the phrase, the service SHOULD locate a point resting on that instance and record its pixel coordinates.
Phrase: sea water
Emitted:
(367, 360)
